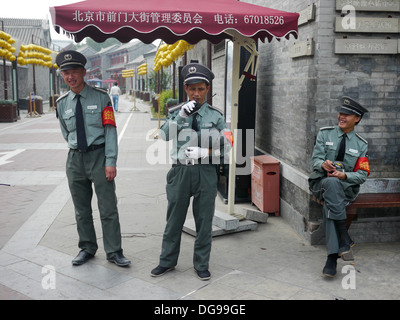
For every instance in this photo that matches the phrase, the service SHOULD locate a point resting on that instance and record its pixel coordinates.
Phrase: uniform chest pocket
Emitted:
(351, 158)
(208, 125)
(93, 117)
(69, 119)
(330, 151)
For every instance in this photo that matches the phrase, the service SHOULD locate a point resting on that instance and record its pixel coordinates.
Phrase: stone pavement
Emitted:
(38, 237)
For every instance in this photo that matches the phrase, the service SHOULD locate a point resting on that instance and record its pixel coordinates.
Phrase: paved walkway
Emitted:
(38, 237)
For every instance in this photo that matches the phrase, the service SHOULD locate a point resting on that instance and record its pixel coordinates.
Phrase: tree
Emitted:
(98, 45)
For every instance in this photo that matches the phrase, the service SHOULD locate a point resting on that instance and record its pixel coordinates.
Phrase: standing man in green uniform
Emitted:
(199, 143)
(88, 125)
(340, 165)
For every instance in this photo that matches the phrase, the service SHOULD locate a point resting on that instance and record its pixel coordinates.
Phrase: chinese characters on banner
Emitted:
(170, 18)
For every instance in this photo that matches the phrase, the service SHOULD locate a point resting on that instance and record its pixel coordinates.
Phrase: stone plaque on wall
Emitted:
(307, 15)
(366, 46)
(370, 5)
(368, 25)
(302, 48)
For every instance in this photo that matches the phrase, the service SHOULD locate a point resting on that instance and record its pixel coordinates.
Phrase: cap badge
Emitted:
(192, 69)
(68, 57)
(346, 102)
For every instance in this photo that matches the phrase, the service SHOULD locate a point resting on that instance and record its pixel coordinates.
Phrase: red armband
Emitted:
(108, 116)
(362, 164)
(229, 136)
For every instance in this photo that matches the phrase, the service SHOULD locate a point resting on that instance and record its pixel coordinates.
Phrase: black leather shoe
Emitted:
(82, 258)
(159, 271)
(203, 275)
(119, 259)
(330, 266)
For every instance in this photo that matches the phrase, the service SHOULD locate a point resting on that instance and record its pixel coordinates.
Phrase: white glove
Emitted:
(187, 107)
(196, 152)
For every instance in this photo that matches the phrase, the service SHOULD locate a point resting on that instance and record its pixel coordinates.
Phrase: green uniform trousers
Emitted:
(83, 169)
(335, 203)
(183, 182)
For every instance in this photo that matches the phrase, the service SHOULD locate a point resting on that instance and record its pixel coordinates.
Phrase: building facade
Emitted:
(29, 31)
(298, 93)
(345, 48)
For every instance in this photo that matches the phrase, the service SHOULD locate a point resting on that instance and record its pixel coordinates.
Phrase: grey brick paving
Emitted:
(271, 262)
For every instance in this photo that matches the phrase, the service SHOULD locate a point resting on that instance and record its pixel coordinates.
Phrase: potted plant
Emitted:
(8, 111)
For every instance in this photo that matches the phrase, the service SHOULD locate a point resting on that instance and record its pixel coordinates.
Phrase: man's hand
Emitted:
(338, 174)
(186, 109)
(328, 166)
(196, 152)
(111, 173)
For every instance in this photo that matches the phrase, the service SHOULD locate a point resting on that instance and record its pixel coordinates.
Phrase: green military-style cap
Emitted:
(70, 59)
(195, 73)
(351, 106)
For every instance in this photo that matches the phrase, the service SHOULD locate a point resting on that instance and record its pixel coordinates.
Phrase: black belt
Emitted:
(186, 163)
(189, 163)
(92, 147)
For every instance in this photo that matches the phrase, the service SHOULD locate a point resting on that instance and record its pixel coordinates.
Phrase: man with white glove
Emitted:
(197, 152)
(187, 109)
(197, 131)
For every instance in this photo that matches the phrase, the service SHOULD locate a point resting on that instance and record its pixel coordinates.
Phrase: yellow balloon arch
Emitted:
(168, 53)
(6, 48)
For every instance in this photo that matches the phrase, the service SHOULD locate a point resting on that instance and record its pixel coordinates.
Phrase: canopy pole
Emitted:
(237, 80)
(234, 124)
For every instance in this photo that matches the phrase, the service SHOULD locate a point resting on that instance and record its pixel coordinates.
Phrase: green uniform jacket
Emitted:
(327, 148)
(211, 124)
(93, 102)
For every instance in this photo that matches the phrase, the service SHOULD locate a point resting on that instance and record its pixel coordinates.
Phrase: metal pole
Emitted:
(234, 124)
(4, 70)
(173, 79)
(34, 78)
(5, 79)
(15, 85)
(209, 66)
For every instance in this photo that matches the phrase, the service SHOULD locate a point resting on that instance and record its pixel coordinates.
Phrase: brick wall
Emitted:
(296, 97)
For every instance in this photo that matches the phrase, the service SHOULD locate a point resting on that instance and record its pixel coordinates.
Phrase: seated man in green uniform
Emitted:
(340, 165)
(199, 143)
(88, 125)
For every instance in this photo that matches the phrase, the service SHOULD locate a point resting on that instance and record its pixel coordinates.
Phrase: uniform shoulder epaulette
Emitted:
(361, 138)
(100, 90)
(63, 96)
(327, 128)
(174, 108)
(216, 109)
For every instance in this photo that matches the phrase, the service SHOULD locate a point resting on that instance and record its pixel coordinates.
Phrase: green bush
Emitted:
(164, 96)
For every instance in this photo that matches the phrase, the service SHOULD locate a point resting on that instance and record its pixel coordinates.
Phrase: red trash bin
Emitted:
(265, 184)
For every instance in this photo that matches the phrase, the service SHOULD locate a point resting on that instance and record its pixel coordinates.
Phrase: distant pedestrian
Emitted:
(194, 173)
(114, 93)
(88, 125)
(340, 165)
